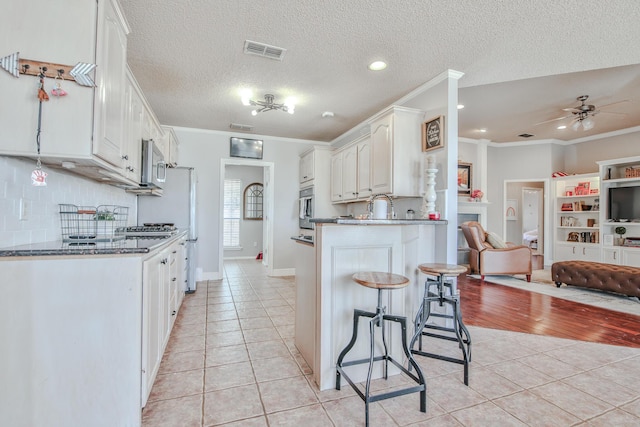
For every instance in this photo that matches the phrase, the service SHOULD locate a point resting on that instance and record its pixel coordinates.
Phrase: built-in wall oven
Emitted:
(306, 208)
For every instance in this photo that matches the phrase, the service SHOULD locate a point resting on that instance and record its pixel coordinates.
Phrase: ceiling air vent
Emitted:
(525, 135)
(264, 50)
(238, 126)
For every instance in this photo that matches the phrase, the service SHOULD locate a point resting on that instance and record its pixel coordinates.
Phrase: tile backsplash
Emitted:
(40, 221)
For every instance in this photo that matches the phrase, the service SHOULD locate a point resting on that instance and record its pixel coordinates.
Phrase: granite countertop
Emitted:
(354, 221)
(59, 248)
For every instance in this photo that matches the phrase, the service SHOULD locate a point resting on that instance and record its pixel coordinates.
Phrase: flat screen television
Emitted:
(246, 148)
(624, 203)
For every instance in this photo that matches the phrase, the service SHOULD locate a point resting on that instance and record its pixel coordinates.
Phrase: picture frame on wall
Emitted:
(433, 134)
(464, 179)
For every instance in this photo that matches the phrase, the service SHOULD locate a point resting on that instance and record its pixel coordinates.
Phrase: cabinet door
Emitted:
(336, 178)
(590, 253)
(133, 132)
(611, 255)
(364, 169)
(631, 257)
(307, 167)
(382, 155)
(349, 173)
(151, 322)
(110, 80)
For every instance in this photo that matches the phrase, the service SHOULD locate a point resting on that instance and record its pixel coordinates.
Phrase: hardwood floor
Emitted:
(502, 307)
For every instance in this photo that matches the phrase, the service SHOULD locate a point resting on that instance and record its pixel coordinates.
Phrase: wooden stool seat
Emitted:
(379, 280)
(447, 270)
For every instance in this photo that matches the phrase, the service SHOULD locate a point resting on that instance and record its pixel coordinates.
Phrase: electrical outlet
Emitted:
(255, 244)
(23, 209)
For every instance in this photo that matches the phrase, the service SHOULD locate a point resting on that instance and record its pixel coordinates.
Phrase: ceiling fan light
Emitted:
(254, 113)
(576, 125)
(587, 124)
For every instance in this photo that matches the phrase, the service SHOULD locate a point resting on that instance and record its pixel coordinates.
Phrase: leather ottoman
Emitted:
(620, 279)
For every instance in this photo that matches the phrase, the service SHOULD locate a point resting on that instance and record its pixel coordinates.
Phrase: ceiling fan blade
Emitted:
(613, 103)
(552, 120)
(620, 115)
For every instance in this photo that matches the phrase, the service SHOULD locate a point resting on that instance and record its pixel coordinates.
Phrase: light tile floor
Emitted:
(231, 361)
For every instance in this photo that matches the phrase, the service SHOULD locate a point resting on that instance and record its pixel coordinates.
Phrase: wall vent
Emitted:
(238, 126)
(264, 50)
(525, 135)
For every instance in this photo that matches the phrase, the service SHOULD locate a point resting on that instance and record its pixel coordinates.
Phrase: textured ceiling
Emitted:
(188, 57)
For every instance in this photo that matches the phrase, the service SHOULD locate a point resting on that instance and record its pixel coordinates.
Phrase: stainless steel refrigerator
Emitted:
(177, 205)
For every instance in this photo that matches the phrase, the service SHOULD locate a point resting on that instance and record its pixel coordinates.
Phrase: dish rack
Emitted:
(104, 223)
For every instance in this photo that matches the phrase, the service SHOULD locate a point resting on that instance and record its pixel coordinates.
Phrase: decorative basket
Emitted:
(85, 224)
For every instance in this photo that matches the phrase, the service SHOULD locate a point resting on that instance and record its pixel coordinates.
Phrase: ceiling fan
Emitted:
(583, 113)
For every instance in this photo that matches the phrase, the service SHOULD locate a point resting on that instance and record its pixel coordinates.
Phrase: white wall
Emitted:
(42, 221)
(520, 162)
(582, 157)
(250, 230)
(203, 150)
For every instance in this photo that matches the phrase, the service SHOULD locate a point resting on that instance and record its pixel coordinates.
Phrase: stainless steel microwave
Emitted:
(154, 168)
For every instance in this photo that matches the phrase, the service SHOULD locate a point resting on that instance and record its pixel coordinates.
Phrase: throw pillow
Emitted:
(495, 240)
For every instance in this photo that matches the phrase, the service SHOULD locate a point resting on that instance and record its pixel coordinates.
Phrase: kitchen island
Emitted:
(344, 246)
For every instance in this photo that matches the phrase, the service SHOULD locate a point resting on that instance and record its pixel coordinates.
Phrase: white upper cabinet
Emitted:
(132, 147)
(307, 167)
(336, 177)
(396, 152)
(111, 57)
(364, 168)
(349, 173)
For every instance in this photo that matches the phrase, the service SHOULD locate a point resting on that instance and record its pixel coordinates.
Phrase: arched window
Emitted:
(253, 201)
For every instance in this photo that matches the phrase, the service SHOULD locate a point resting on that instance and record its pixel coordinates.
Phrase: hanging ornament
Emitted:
(57, 85)
(38, 176)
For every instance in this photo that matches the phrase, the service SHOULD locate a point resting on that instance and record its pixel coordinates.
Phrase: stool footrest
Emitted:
(440, 357)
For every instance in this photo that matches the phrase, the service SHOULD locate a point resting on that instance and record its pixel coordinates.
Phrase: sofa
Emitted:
(620, 279)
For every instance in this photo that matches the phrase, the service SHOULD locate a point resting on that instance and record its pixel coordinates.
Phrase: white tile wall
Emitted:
(42, 220)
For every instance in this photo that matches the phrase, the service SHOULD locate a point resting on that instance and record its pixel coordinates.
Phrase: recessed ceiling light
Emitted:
(460, 106)
(562, 127)
(327, 114)
(377, 65)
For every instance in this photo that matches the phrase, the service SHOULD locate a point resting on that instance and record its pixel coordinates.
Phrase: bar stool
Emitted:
(380, 281)
(440, 290)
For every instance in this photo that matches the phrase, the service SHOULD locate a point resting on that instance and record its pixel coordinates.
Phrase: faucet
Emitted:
(377, 196)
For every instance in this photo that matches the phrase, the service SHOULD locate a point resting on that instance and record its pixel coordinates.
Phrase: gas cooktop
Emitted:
(150, 230)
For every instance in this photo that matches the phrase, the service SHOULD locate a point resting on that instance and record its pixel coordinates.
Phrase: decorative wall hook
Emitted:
(78, 73)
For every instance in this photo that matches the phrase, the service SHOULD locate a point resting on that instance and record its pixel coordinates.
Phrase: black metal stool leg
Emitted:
(354, 336)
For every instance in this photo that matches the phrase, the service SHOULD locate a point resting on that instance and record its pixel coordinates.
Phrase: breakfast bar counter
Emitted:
(344, 246)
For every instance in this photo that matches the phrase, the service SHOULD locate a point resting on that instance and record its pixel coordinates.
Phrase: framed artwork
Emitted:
(433, 134)
(464, 179)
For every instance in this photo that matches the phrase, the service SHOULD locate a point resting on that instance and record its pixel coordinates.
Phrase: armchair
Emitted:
(487, 259)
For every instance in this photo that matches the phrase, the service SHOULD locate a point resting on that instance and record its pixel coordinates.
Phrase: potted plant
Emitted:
(620, 232)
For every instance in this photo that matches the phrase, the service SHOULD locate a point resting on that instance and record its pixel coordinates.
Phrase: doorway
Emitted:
(526, 217)
(267, 207)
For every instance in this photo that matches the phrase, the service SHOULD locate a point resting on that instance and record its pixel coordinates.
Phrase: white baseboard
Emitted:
(211, 275)
(284, 272)
(238, 257)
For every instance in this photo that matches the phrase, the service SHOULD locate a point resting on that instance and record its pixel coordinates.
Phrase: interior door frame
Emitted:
(267, 215)
(548, 206)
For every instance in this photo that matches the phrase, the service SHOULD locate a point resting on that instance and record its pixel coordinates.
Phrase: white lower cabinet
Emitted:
(161, 298)
(630, 256)
(611, 255)
(580, 252)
